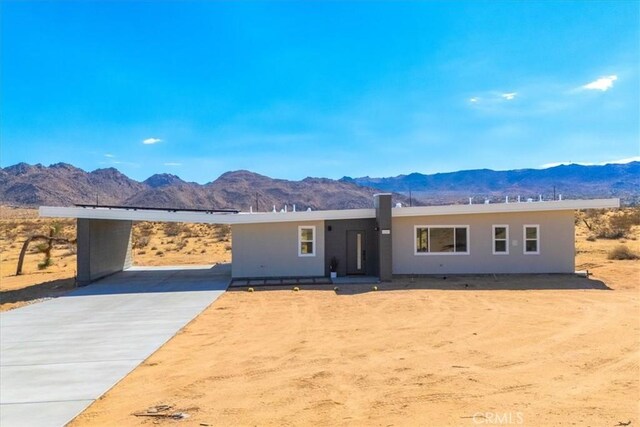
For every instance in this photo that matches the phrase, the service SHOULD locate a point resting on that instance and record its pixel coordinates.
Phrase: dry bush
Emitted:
(140, 242)
(622, 252)
(159, 253)
(617, 225)
(145, 228)
(181, 244)
(172, 229)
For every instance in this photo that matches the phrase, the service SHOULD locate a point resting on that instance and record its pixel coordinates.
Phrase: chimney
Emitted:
(382, 203)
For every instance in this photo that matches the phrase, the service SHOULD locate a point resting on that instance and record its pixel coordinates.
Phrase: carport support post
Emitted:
(104, 248)
(383, 217)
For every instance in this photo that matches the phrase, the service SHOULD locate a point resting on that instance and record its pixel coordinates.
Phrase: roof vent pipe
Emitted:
(506, 199)
(560, 197)
(308, 209)
(285, 208)
(294, 207)
(470, 200)
(540, 198)
(250, 209)
(486, 201)
(398, 205)
(274, 209)
(518, 199)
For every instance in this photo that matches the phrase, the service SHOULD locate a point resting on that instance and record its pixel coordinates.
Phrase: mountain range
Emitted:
(63, 184)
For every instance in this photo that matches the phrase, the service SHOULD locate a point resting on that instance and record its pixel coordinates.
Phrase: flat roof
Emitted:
(161, 215)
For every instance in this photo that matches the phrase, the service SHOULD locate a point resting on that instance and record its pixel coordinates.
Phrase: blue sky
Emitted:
(292, 89)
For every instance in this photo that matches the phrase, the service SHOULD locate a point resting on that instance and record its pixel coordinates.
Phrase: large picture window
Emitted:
(501, 240)
(307, 240)
(441, 239)
(531, 239)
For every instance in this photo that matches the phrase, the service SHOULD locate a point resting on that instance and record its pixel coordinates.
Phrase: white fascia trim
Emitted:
(557, 205)
(202, 217)
(301, 216)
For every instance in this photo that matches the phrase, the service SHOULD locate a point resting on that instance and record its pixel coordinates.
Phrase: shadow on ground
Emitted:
(23, 296)
(134, 280)
(515, 282)
(160, 279)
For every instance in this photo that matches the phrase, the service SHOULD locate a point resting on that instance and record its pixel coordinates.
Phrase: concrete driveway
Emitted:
(58, 356)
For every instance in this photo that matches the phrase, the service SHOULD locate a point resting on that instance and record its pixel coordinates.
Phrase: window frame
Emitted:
(524, 239)
(300, 241)
(429, 227)
(493, 239)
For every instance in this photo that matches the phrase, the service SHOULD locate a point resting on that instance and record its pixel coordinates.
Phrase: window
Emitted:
(307, 240)
(501, 240)
(531, 239)
(441, 240)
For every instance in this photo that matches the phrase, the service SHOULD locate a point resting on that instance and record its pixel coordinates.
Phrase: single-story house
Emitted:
(516, 237)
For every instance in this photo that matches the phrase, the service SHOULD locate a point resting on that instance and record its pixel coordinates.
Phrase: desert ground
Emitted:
(507, 350)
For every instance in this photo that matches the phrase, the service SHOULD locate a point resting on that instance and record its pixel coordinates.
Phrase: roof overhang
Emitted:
(302, 216)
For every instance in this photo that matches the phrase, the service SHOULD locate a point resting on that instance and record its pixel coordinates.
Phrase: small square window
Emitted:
(531, 237)
(306, 241)
(500, 239)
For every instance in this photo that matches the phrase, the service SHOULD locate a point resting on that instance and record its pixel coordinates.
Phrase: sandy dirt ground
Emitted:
(515, 350)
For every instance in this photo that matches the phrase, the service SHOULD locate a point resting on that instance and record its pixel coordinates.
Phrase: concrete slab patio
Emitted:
(58, 356)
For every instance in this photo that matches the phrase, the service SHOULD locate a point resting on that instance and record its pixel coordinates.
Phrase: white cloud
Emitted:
(172, 164)
(607, 162)
(509, 96)
(474, 99)
(603, 83)
(149, 141)
(109, 155)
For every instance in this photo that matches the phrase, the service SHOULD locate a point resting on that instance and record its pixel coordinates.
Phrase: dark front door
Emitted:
(356, 252)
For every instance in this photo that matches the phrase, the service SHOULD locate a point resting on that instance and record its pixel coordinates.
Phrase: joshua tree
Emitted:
(44, 248)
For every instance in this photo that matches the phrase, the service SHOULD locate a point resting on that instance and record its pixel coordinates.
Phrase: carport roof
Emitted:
(301, 216)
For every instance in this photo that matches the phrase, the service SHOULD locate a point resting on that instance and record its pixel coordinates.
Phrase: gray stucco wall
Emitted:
(557, 245)
(382, 203)
(271, 250)
(104, 248)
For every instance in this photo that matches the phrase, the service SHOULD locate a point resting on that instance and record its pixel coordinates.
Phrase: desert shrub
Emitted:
(44, 264)
(622, 252)
(173, 229)
(203, 251)
(146, 228)
(142, 252)
(154, 248)
(227, 247)
(159, 253)
(621, 223)
(181, 244)
(141, 241)
(591, 238)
